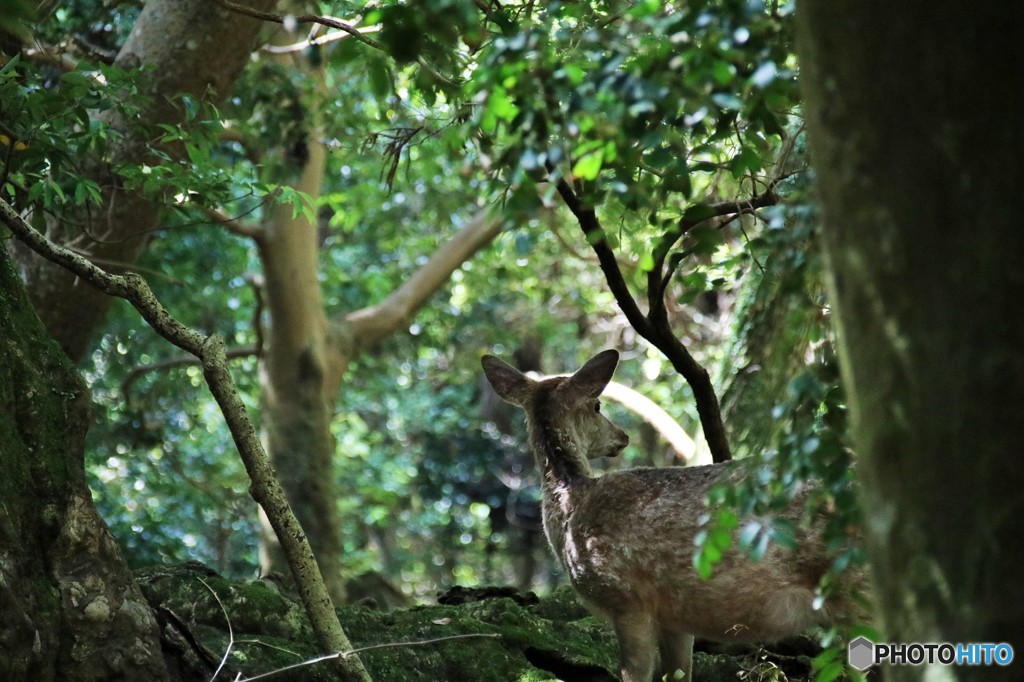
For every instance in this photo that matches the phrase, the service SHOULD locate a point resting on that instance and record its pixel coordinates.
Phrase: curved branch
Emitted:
(657, 283)
(594, 233)
(373, 323)
(654, 327)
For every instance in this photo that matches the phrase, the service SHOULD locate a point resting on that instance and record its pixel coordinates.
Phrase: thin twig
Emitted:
(231, 632)
(346, 654)
(330, 22)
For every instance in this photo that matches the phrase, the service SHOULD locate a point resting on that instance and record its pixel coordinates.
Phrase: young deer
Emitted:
(626, 539)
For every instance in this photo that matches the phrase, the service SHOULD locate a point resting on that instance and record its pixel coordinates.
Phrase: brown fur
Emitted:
(626, 539)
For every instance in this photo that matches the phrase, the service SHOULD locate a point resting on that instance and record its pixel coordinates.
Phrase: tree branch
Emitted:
(330, 22)
(317, 41)
(233, 225)
(179, 361)
(373, 323)
(656, 282)
(654, 327)
(594, 233)
(265, 489)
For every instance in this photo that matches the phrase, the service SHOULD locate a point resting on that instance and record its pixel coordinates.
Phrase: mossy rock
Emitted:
(491, 639)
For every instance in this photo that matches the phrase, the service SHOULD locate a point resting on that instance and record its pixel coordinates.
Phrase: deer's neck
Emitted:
(560, 463)
(561, 459)
(566, 473)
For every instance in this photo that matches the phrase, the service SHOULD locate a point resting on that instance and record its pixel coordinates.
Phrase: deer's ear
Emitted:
(508, 382)
(592, 377)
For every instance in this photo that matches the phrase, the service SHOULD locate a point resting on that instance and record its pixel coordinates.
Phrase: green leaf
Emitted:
(748, 160)
(381, 80)
(501, 106)
(720, 539)
(588, 166)
(706, 240)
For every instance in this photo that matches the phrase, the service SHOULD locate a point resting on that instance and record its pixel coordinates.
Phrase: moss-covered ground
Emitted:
(499, 638)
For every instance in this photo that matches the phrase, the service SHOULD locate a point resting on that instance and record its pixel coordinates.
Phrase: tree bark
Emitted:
(69, 609)
(296, 405)
(190, 47)
(918, 149)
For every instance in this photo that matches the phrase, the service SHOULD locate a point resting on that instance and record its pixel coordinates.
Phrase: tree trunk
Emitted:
(915, 132)
(192, 47)
(69, 609)
(296, 401)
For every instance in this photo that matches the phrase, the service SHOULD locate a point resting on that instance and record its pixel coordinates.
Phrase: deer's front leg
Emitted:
(676, 654)
(638, 646)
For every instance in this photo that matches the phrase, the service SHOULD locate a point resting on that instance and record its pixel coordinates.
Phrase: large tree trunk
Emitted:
(915, 128)
(69, 609)
(192, 47)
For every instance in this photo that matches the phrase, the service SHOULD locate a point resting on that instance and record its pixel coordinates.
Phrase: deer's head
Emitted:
(566, 409)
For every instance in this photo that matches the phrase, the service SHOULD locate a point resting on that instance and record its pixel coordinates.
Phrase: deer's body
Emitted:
(626, 539)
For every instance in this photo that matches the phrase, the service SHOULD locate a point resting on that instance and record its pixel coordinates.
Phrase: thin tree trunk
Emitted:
(915, 133)
(296, 405)
(299, 384)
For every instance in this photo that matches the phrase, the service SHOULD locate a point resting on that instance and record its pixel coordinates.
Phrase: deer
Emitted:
(626, 538)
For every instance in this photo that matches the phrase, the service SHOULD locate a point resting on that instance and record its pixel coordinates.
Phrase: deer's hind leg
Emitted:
(676, 654)
(638, 646)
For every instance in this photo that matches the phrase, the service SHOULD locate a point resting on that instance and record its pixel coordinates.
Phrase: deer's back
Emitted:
(628, 544)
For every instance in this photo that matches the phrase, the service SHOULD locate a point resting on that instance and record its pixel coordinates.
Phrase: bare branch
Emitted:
(231, 631)
(317, 41)
(139, 371)
(233, 225)
(654, 327)
(375, 322)
(330, 22)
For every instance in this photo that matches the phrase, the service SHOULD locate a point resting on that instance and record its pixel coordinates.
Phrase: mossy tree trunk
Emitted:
(69, 609)
(917, 143)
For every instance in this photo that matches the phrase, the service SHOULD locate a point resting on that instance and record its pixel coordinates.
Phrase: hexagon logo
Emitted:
(861, 653)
